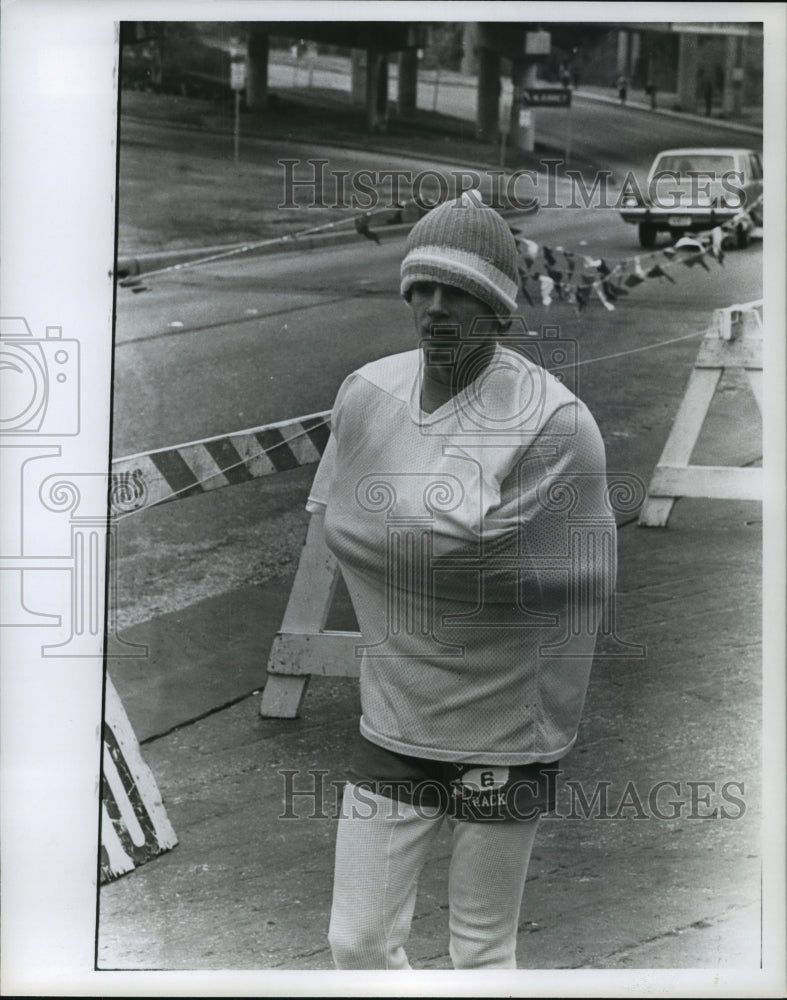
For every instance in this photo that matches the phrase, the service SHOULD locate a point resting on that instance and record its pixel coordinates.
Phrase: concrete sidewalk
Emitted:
(749, 119)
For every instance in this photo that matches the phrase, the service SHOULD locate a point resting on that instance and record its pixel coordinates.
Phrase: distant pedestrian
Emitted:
(650, 90)
(708, 94)
(623, 86)
(447, 488)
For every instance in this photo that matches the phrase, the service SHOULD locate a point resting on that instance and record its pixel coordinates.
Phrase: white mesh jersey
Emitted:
(479, 553)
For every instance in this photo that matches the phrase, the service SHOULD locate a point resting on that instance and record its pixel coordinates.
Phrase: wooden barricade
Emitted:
(134, 824)
(733, 341)
(302, 646)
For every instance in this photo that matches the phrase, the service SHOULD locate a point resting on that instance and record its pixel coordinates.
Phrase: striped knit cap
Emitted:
(465, 244)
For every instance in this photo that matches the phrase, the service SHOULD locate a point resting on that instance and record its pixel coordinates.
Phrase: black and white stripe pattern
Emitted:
(134, 824)
(200, 466)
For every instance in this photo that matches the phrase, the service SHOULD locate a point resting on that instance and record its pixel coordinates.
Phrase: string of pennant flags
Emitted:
(547, 274)
(550, 274)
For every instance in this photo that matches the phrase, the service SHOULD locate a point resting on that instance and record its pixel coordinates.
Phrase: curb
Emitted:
(670, 113)
(130, 268)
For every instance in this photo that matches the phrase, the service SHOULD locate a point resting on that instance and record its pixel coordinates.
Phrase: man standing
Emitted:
(464, 496)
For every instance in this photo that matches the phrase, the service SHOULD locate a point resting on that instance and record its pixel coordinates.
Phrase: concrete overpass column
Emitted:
(376, 88)
(358, 76)
(488, 95)
(623, 51)
(635, 41)
(733, 76)
(407, 87)
(470, 45)
(257, 71)
(687, 71)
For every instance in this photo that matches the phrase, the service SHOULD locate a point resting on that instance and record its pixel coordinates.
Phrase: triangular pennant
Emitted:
(613, 291)
(716, 241)
(529, 248)
(582, 298)
(657, 271)
(604, 300)
(634, 279)
(526, 295)
(546, 285)
(689, 243)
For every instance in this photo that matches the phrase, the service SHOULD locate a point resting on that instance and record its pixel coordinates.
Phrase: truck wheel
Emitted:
(647, 236)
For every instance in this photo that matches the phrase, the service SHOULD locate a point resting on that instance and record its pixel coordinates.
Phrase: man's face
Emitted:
(457, 332)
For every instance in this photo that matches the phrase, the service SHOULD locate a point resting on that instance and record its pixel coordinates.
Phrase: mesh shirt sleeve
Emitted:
(557, 498)
(323, 479)
(321, 487)
(568, 454)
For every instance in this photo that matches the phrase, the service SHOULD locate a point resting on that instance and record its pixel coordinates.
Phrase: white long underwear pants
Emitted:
(378, 861)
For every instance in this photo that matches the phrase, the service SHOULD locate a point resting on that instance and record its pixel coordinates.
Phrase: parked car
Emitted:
(688, 190)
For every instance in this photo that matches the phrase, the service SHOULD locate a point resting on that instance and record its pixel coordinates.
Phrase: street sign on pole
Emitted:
(238, 75)
(238, 83)
(556, 97)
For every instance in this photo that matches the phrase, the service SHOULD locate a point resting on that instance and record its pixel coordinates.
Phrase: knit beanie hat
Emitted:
(465, 244)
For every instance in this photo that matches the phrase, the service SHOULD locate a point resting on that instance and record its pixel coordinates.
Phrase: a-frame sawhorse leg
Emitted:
(734, 341)
(301, 647)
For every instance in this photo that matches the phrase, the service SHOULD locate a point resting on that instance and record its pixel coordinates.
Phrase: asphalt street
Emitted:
(236, 345)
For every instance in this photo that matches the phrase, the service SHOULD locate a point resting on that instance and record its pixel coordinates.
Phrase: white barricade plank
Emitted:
(329, 654)
(135, 826)
(711, 481)
(735, 340)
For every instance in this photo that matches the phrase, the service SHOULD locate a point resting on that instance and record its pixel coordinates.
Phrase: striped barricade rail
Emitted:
(156, 477)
